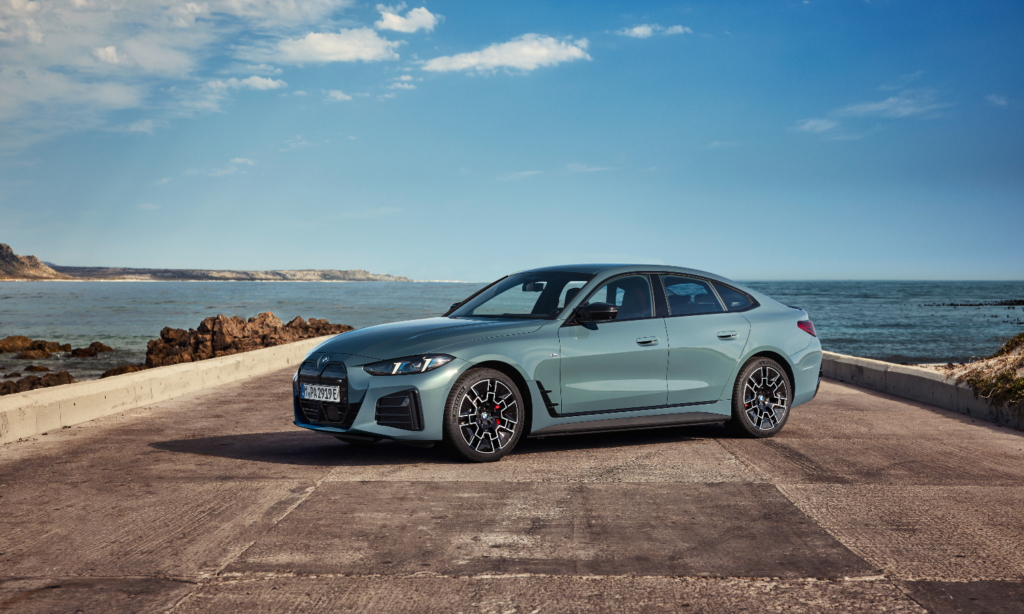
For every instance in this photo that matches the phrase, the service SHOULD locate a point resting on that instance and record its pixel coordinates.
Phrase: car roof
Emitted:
(608, 270)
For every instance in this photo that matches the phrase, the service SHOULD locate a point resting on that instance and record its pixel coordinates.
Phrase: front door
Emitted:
(705, 341)
(619, 364)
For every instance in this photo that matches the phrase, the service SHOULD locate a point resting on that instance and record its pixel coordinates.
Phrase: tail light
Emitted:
(808, 327)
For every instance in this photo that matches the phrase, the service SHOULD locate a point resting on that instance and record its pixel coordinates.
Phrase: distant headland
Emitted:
(30, 268)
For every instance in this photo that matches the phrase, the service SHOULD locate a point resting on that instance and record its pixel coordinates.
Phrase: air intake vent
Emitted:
(400, 410)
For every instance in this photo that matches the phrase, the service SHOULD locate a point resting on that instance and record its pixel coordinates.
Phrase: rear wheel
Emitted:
(484, 416)
(761, 399)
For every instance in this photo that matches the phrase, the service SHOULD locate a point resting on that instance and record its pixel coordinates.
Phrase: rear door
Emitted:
(705, 341)
(619, 364)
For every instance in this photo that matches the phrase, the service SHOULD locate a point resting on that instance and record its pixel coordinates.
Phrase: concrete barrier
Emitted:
(917, 384)
(39, 411)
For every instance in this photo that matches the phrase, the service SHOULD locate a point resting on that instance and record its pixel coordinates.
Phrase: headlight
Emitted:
(412, 364)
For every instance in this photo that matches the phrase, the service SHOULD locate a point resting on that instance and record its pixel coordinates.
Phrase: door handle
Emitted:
(726, 334)
(647, 341)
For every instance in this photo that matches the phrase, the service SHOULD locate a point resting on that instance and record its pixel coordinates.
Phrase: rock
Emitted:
(122, 370)
(99, 347)
(35, 368)
(94, 348)
(223, 336)
(13, 375)
(34, 383)
(33, 355)
(47, 346)
(16, 343)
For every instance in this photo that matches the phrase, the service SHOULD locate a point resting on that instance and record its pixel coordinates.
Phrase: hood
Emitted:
(401, 339)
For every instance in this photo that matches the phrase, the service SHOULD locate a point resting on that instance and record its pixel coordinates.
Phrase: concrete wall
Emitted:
(39, 411)
(917, 384)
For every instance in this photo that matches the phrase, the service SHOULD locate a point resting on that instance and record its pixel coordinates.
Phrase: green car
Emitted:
(566, 350)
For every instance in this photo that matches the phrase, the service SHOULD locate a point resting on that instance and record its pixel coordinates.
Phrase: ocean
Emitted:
(898, 321)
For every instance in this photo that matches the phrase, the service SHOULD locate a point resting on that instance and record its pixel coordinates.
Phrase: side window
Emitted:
(734, 301)
(569, 292)
(631, 294)
(687, 296)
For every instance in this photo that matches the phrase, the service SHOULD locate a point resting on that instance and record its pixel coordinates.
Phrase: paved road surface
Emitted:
(215, 502)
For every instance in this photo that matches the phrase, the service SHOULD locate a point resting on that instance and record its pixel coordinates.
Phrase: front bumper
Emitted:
(365, 393)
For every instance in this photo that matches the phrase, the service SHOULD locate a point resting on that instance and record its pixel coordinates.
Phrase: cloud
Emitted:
(69, 64)
(399, 85)
(816, 125)
(999, 101)
(905, 104)
(903, 81)
(337, 95)
(163, 181)
(299, 93)
(263, 69)
(296, 142)
(416, 19)
(583, 168)
(109, 55)
(230, 169)
(525, 53)
(148, 207)
(519, 175)
(253, 83)
(649, 30)
(721, 145)
(348, 45)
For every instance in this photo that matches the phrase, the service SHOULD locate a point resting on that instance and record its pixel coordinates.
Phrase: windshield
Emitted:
(525, 295)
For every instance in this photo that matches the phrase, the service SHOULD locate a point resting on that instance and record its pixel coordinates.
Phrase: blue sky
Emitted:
(464, 140)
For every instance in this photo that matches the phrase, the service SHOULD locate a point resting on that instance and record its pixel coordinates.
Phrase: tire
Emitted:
(761, 399)
(471, 432)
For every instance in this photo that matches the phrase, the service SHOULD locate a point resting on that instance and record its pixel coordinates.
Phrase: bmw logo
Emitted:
(324, 359)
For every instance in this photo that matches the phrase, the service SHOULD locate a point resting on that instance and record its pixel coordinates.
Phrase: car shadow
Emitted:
(314, 449)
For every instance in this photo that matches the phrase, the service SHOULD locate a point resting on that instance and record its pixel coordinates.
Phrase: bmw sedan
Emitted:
(566, 350)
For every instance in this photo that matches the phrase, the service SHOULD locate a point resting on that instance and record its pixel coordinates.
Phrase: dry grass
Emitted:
(999, 378)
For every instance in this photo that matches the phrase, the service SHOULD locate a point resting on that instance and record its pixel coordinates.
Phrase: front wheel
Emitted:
(761, 399)
(484, 416)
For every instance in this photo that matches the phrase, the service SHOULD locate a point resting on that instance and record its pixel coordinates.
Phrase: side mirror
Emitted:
(454, 305)
(597, 312)
(534, 286)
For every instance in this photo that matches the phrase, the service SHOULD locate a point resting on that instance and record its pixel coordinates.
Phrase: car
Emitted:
(566, 350)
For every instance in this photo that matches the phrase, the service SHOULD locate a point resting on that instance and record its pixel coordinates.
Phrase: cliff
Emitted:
(13, 266)
(120, 273)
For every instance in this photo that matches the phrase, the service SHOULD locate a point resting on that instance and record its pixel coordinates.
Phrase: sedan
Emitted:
(566, 350)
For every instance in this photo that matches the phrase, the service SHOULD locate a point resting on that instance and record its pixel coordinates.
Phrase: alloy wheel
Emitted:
(488, 415)
(765, 398)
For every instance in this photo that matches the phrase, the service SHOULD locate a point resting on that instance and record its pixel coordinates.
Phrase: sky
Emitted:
(762, 140)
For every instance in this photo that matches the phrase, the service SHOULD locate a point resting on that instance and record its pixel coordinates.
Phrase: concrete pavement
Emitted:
(215, 502)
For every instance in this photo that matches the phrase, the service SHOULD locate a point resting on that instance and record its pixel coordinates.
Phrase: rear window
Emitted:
(734, 301)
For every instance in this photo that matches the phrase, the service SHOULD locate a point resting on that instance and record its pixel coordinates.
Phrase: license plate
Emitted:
(312, 392)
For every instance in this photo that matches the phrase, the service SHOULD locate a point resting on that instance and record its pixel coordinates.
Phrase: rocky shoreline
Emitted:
(214, 337)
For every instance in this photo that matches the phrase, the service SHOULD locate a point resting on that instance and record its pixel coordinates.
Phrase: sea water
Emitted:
(899, 321)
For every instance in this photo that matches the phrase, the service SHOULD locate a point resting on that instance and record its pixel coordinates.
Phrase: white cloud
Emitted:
(348, 45)
(299, 93)
(816, 125)
(903, 81)
(163, 181)
(242, 161)
(148, 207)
(404, 78)
(525, 53)
(999, 101)
(400, 85)
(337, 95)
(649, 30)
(416, 19)
(296, 142)
(721, 144)
(253, 83)
(905, 104)
(67, 64)
(519, 175)
(583, 168)
(109, 55)
(263, 69)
